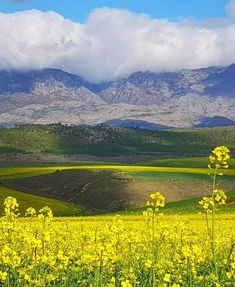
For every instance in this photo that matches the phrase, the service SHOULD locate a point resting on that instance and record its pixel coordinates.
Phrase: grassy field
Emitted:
(19, 172)
(25, 201)
(193, 162)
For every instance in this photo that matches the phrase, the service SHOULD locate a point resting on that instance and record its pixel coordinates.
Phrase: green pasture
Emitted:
(193, 162)
(135, 170)
(25, 201)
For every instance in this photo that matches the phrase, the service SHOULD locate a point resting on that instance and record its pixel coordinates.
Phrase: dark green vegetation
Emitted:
(103, 140)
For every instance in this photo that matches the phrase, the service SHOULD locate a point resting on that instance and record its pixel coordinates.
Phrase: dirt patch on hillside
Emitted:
(98, 190)
(172, 190)
(109, 191)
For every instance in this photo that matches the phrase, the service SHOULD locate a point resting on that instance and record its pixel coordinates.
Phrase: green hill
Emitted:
(25, 201)
(190, 162)
(103, 140)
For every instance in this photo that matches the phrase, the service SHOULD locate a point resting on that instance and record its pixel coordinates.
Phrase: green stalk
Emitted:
(213, 226)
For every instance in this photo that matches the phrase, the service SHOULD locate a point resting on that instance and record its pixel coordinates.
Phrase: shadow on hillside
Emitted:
(98, 191)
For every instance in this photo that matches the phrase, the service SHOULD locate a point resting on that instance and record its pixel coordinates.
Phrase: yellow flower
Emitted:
(51, 277)
(157, 200)
(11, 207)
(219, 158)
(126, 283)
(27, 277)
(148, 264)
(218, 197)
(167, 278)
(3, 276)
(229, 275)
(31, 212)
(45, 212)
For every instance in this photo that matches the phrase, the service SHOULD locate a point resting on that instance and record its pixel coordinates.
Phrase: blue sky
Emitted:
(78, 10)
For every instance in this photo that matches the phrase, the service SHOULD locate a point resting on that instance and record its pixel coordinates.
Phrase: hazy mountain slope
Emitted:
(215, 122)
(221, 83)
(178, 99)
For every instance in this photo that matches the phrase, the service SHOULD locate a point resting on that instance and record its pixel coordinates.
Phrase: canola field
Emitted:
(20, 172)
(115, 251)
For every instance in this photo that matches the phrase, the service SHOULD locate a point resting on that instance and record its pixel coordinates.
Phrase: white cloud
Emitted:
(112, 43)
(34, 39)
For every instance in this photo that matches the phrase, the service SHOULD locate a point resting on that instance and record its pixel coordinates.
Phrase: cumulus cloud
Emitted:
(113, 43)
(35, 40)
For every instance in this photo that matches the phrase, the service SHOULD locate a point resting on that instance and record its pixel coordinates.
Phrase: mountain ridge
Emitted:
(176, 99)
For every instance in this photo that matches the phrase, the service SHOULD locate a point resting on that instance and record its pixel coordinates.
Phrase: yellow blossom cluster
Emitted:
(218, 197)
(219, 158)
(156, 201)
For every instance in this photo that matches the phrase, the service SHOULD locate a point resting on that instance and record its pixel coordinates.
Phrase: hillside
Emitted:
(108, 187)
(25, 201)
(110, 141)
(216, 121)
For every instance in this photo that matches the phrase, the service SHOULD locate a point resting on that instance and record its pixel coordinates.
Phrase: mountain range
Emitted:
(186, 98)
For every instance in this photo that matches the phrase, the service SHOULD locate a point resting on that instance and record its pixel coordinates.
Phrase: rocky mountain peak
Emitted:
(177, 98)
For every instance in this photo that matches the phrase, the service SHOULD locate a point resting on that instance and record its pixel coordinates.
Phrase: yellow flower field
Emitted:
(115, 251)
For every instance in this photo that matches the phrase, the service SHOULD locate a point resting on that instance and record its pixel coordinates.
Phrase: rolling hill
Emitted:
(25, 201)
(95, 188)
(71, 186)
(111, 141)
